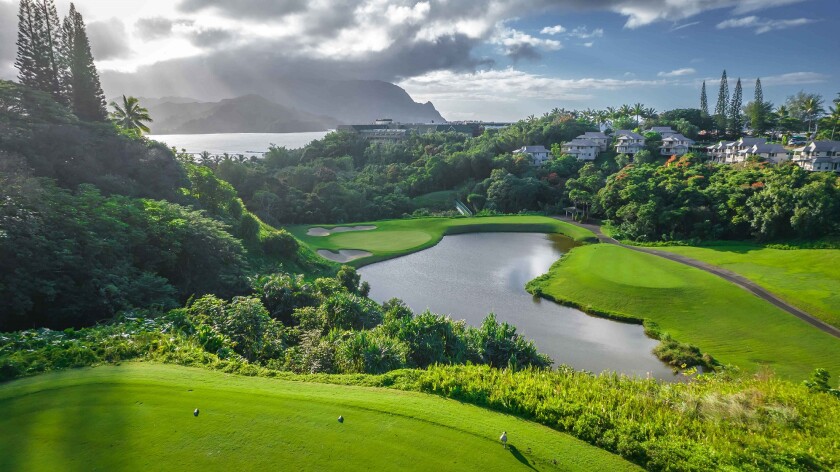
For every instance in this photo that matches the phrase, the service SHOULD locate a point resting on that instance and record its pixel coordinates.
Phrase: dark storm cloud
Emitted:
(108, 39)
(246, 8)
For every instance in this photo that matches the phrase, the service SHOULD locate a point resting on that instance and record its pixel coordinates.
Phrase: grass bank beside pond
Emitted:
(139, 416)
(806, 278)
(393, 238)
(692, 306)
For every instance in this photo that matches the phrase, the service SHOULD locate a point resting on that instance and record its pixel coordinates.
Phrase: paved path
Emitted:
(727, 275)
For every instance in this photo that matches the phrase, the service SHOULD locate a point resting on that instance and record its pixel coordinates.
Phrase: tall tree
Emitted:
(736, 119)
(86, 96)
(704, 103)
(131, 115)
(26, 61)
(49, 49)
(758, 112)
(759, 94)
(722, 103)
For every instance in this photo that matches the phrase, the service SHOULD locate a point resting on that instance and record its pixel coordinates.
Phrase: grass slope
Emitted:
(806, 278)
(393, 238)
(138, 416)
(692, 306)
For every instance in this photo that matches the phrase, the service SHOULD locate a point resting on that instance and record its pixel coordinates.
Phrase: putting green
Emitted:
(693, 306)
(394, 238)
(139, 416)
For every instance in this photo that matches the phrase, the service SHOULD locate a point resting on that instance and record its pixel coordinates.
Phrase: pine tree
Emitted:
(759, 94)
(39, 60)
(736, 119)
(26, 61)
(722, 103)
(704, 104)
(86, 96)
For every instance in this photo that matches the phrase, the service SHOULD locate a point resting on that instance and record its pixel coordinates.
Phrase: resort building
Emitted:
(736, 151)
(539, 154)
(664, 131)
(597, 137)
(775, 153)
(583, 149)
(675, 145)
(819, 156)
(628, 142)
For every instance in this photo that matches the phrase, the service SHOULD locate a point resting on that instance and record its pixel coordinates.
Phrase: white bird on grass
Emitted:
(503, 439)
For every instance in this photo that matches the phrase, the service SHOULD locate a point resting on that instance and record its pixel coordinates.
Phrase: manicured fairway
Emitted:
(393, 238)
(139, 416)
(806, 278)
(694, 307)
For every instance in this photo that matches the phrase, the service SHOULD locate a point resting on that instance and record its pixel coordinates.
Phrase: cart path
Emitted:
(727, 275)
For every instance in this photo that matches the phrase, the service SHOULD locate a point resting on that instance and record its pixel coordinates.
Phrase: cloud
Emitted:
(583, 33)
(210, 37)
(763, 25)
(511, 84)
(587, 45)
(518, 45)
(795, 78)
(552, 30)
(8, 36)
(683, 26)
(677, 72)
(258, 9)
(108, 39)
(158, 27)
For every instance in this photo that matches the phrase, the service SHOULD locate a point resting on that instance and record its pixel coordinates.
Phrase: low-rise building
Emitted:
(628, 142)
(736, 151)
(539, 154)
(819, 156)
(663, 131)
(582, 149)
(675, 145)
(597, 137)
(775, 153)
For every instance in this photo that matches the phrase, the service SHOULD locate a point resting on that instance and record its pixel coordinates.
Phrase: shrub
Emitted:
(280, 244)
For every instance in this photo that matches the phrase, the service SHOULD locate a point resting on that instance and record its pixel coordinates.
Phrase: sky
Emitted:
(474, 59)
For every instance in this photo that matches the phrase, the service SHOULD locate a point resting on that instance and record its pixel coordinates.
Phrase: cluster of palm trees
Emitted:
(607, 116)
(205, 158)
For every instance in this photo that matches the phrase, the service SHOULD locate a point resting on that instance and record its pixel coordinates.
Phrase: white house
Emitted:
(664, 131)
(538, 154)
(675, 145)
(628, 142)
(819, 156)
(583, 149)
(597, 137)
(737, 151)
(775, 153)
(716, 151)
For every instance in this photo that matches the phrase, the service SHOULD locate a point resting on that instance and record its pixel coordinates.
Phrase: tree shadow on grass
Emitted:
(518, 455)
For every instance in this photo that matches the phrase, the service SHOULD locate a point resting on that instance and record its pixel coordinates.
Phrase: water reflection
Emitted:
(471, 275)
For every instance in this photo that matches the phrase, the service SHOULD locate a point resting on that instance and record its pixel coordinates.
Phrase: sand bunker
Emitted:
(343, 255)
(338, 229)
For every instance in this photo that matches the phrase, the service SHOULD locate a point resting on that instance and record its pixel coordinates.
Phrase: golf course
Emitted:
(692, 306)
(806, 278)
(139, 416)
(394, 238)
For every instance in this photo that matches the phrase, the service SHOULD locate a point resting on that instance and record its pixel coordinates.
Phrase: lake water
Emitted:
(249, 144)
(471, 275)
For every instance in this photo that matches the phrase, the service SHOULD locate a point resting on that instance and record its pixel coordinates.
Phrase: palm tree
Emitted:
(811, 108)
(131, 115)
(637, 110)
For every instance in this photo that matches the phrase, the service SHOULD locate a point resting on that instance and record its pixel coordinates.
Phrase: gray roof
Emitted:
(677, 137)
(662, 129)
(593, 135)
(823, 146)
(765, 148)
(581, 142)
(532, 149)
(629, 134)
(751, 141)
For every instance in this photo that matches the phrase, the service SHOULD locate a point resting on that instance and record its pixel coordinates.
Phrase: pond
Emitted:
(470, 275)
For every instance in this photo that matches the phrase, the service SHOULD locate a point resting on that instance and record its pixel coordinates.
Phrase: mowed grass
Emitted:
(694, 307)
(393, 238)
(139, 416)
(806, 278)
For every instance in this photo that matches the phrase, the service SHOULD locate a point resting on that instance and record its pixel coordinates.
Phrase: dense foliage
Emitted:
(689, 199)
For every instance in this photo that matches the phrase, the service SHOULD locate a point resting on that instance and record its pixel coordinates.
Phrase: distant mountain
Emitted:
(246, 114)
(352, 101)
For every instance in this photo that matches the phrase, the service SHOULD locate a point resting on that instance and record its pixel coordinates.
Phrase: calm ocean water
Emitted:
(237, 143)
